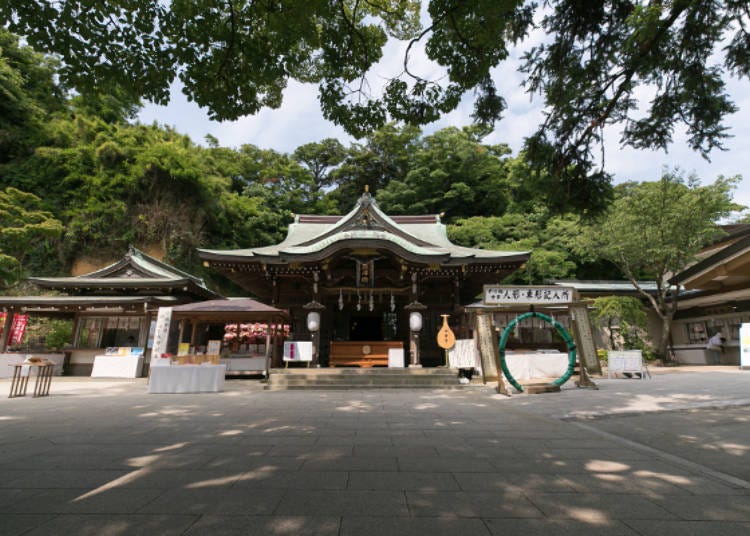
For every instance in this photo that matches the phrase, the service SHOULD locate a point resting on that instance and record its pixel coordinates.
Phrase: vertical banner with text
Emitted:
(161, 332)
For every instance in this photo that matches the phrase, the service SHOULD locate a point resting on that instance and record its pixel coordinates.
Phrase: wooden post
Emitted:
(414, 349)
(179, 336)
(267, 355)
(193, 332)
(6, 328)
(584, 337)
(489, 351)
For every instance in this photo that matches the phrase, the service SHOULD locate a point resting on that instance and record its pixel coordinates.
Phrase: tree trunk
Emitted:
(666, 329)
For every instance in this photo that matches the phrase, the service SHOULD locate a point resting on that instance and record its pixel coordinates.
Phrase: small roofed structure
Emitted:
(250, 332)
(715, 299)
(112, 306)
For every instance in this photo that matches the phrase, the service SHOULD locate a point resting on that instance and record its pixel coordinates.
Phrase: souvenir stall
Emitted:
(243, 334)
(111, 309)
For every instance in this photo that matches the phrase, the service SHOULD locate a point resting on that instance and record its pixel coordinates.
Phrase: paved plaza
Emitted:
(665, 456)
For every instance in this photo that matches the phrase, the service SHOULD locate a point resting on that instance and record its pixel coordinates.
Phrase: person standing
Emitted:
(715, 347)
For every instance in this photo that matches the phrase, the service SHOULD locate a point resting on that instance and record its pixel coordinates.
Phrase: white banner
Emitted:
(161, 331)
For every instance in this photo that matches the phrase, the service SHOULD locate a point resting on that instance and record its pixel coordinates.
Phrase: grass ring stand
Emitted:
(539, 388)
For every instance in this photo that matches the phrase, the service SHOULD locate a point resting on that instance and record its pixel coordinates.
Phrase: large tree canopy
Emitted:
(655, 229)
(237, 56)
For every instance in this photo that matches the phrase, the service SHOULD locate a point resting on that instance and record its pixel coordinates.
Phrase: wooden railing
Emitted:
(361, 353)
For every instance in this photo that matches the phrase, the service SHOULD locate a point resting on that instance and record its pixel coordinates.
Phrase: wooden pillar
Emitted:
(267, 353)
(456, 294)
(143, 334)
(584, 338)
(181, 332)
(193, 332)
(274, 291)
(10, 313)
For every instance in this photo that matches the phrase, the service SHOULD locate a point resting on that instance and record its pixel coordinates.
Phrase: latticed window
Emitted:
(696, 332)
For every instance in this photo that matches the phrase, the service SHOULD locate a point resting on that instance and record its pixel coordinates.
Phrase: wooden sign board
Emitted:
(213, 347)
(528, 295)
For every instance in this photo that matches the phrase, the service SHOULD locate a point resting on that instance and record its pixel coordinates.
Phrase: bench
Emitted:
(361, 353)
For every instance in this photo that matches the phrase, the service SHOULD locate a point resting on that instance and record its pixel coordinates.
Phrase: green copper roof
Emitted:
(136, 270)
(423, 236)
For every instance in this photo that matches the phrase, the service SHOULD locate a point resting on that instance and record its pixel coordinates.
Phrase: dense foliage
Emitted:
(80, 180)
(649, 67)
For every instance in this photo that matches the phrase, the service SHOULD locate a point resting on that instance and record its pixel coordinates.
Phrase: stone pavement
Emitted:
(665, 456)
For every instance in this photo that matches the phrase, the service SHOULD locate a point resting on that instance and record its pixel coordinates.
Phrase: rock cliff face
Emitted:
(86, 265)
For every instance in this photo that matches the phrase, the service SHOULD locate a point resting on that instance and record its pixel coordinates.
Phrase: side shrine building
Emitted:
(361, 284)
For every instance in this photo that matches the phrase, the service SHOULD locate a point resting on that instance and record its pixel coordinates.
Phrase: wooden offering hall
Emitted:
(366, 286)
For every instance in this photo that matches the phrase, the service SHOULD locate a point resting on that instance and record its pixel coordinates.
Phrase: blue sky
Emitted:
(300, 121)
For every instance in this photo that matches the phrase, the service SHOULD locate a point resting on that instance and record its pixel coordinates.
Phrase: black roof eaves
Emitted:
(198, 281)
(127, 261)
(84, 282)
(712, 260)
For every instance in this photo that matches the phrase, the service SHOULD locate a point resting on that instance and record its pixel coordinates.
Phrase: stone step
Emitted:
(365, 371)
(352, 387)
(368, 378)
(372, 381)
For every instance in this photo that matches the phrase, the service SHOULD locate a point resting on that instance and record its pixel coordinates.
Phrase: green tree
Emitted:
(552, 241)
(236, 57)
(24, 225)
(655, 229)
(450, 171)
(28, 95)
(319, 158)
(385, 156)
(624, 319)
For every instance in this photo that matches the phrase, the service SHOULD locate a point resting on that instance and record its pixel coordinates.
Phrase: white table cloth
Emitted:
(117, 366)
(533, 365)
(187, 379)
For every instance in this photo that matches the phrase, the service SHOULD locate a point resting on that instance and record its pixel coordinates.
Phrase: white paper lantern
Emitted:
(313, 321)
(415, 321)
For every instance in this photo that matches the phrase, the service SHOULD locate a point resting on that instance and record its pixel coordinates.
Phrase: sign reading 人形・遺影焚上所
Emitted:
(527, 295)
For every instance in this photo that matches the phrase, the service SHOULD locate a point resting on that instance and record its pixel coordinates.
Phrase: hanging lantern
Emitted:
(341, 300)
(313, 321)
(415, 321)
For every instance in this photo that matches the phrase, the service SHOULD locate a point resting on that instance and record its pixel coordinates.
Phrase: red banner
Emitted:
(17, 328)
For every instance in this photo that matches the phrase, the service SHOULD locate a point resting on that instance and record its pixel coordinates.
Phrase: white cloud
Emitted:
(300, 121)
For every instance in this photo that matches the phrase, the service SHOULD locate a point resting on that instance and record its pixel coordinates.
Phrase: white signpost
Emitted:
(745, 347)
(625, 362)
(298, 351)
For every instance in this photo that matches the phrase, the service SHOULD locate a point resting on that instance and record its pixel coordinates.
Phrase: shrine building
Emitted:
(360, 284)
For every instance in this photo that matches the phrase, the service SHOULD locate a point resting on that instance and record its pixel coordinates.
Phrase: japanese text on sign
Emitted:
(500, 295)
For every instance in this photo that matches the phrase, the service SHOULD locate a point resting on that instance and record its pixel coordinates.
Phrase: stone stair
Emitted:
(341, 378)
